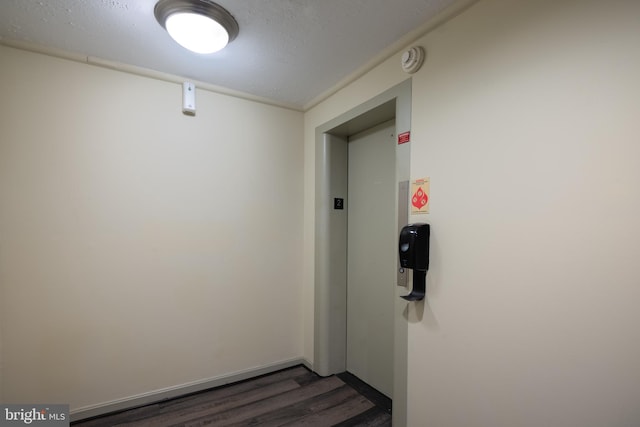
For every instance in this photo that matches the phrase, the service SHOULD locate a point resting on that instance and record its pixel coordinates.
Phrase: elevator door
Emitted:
(371, 256)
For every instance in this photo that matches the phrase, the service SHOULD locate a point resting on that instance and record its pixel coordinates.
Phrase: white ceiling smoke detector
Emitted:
(412, 59)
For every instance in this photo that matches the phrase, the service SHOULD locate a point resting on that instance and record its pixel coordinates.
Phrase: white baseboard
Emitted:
(180, 390)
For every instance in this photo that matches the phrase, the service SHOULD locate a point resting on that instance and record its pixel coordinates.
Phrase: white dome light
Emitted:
(198, 25)
(196, 32)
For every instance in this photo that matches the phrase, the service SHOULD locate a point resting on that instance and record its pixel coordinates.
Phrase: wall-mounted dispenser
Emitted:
(413, 248)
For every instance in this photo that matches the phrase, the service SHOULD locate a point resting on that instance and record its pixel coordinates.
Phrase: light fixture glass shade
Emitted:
(197, 32)
(201, 26)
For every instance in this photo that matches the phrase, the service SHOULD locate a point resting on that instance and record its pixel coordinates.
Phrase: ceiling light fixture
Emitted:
(201, 26)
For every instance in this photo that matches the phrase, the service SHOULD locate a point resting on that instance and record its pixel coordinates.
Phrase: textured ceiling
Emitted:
(288, 51)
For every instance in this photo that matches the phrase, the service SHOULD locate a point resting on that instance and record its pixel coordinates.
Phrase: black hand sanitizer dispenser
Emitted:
(413, 248)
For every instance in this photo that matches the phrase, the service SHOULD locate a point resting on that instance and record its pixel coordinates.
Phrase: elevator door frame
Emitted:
(330, 236)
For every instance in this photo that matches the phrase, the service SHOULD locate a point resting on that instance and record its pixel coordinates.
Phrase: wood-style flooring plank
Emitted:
(291, 397)
(194, 399)
(220, 406)
(295, 412)
(241, 414)
(373, 417)
(334, 415)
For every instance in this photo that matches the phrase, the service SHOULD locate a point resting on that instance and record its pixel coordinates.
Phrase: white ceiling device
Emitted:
(412, 59)
(200, 26)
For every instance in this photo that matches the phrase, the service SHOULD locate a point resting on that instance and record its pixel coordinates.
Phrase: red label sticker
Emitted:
(404, 137)
(420, 199)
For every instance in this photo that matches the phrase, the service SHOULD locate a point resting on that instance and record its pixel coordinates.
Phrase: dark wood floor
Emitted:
(291, 397)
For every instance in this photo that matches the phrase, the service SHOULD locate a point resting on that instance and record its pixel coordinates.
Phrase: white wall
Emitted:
(528, 128)
(525, 117)
(140, 248)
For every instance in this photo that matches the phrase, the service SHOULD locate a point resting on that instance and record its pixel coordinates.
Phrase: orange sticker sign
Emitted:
(420, 196)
